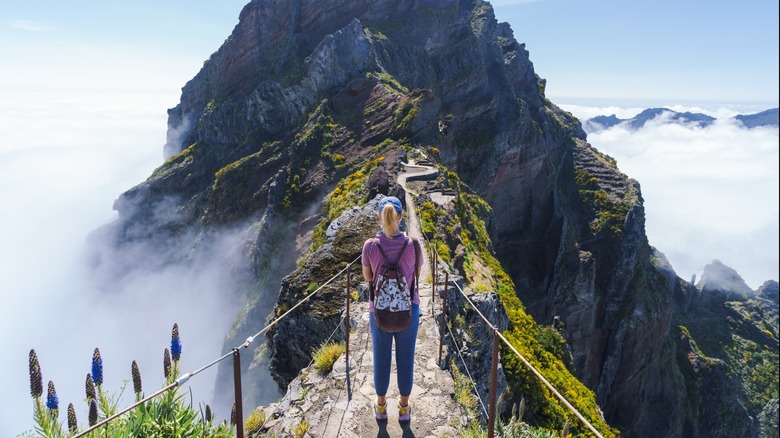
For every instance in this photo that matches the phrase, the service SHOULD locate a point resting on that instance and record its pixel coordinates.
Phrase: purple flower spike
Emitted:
(52, 402)
(73, 425)
(89, 387)
(93, 412)
(175, 343)
(97, 368)
(36, 379)
(136, 378)
(167, 363)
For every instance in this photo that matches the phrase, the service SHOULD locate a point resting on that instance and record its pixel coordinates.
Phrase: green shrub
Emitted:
(543, 348)
(255, 421)
(326, 356)
(167, 415)
(300, 429)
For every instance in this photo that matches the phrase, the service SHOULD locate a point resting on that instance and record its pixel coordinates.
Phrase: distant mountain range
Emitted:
(769, 117)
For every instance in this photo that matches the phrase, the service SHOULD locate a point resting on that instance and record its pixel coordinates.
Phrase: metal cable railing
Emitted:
(235, 353)
(286, 395)
(497, 336)
(468, 372)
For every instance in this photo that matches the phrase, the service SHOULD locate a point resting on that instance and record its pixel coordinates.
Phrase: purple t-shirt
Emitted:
(392, 246)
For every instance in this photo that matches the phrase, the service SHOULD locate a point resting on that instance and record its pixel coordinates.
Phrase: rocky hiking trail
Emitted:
(340, 404)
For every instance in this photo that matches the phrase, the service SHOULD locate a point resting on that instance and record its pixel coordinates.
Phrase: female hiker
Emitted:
(391, 262)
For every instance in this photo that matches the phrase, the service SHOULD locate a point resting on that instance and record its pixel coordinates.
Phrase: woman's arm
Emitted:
(367, 273)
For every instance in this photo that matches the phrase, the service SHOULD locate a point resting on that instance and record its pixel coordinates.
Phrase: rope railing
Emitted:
(281, 402)
(435, 261)
(498, 335)
(235, 353)
(468, 372)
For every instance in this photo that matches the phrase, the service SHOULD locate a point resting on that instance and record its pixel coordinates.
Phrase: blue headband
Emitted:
(391, 200)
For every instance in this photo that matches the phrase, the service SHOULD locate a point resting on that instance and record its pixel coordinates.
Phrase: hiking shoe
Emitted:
(404, 413)
(380, 411)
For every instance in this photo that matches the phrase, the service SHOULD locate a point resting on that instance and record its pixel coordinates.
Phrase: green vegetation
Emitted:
(388, 80)
(609, 213)
(543, 347)
(464, 396)
(734, 334)
(254, 422)
(406, 113)
(428, 215)
(312, 143)
(233, 192)
(182, 159)
(326, 356)
(300, 429)
(350, 191)
(167, 415)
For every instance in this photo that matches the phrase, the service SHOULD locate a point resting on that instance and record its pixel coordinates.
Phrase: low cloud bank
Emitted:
(710, 193)
(64, 159)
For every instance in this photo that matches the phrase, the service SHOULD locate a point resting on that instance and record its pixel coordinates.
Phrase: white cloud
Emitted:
(64, 158)
(583, 112)
(710, 193)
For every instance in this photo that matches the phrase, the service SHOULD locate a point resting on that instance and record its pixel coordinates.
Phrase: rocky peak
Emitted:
(770, 290)
(718, 278)
(310, 107)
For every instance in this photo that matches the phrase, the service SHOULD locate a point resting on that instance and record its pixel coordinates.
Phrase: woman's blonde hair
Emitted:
(389, 219)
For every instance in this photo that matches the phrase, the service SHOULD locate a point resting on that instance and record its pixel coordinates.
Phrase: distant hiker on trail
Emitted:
(391, 263)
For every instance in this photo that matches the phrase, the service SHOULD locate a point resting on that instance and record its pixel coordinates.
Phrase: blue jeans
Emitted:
(404, 355)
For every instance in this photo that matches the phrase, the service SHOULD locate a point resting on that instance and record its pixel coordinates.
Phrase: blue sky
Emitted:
(84, 89)
(589, 51)
(690, 51)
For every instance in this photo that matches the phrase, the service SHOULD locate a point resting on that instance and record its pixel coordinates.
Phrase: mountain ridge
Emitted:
(769, 117)
(309, 108)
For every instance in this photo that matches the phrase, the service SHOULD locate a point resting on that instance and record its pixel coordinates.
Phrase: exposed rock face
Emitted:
(315, 98)
(769, 290)
(294, 339)
(720, 279)
(476, 348)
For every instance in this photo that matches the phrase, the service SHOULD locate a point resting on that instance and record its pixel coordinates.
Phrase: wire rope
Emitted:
(517, 353)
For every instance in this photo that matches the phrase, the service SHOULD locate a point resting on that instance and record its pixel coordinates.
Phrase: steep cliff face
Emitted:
(308, 108)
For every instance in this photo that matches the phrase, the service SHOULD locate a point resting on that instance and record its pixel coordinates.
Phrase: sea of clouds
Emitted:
(710, 193)
(64, 158)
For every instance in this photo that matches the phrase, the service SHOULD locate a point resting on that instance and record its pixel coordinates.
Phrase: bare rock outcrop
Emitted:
(310, 106)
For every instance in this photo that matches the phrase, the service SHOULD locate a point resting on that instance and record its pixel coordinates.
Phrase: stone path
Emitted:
(340, 404)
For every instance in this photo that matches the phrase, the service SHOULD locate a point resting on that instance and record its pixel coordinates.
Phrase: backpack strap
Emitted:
(416, 279)
(400, 253)
(371, 284)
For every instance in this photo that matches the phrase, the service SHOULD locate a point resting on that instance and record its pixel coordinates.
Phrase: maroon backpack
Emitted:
(391, 296)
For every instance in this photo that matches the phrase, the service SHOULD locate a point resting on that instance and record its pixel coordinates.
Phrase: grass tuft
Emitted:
(326, 356)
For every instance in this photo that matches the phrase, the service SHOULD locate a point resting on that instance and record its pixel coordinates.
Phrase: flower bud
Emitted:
(72, 423)
(89, 388)
(136, 378)
(93, 412)
(167, 364)
(36, 379)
